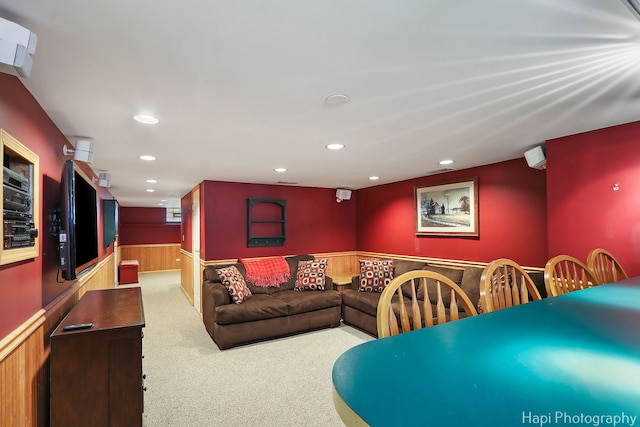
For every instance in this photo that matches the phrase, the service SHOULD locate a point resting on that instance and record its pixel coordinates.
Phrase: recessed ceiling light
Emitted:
(446, 162)
(374, 178)
(337, 99)
(147, 157)
(152, 181)
(280, 170)
(150, 190)
(160, 204)
(335, 146)
(146, 119)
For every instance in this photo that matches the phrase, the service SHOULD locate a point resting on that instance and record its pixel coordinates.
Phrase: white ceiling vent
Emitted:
(437, 171)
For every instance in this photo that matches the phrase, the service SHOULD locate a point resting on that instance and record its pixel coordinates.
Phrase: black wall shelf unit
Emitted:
(266, 222)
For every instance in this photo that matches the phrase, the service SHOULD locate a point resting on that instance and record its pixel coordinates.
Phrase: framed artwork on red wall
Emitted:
(447, 209)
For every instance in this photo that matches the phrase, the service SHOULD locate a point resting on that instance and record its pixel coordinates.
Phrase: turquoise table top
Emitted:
(573, 360)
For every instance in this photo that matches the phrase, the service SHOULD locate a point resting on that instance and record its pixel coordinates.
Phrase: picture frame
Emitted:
(447, 209)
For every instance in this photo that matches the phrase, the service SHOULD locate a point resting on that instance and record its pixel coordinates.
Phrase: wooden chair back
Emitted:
(428, 305)
(564, 274)
(605, 267)
(504, 284)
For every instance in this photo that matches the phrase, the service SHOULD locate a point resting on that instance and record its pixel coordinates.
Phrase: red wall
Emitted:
(140, 226)
(584, 211)
(26, 287)
(315, 221)
(512, 217)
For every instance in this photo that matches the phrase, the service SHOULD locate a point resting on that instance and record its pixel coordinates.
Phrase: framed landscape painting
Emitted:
(447, 209)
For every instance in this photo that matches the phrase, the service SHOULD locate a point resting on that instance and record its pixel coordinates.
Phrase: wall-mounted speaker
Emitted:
(83, 151)
(17, 45)
(104, 180)
(535, 158)
(342, 194)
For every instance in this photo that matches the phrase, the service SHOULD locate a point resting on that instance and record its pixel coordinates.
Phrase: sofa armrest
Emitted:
(328, 283)
(355, 282)
(214, 294)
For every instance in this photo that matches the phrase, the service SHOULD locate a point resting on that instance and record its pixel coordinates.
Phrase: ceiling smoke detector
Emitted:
(337, 99)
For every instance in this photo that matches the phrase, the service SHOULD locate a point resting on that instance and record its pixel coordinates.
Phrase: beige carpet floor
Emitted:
(190, 382)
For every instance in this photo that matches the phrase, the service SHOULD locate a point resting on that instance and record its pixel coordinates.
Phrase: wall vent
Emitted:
(437, 171)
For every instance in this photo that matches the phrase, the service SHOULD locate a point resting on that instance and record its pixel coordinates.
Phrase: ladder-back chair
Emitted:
(564, 274)
(605, 267)
(434, 299)
(504, 284)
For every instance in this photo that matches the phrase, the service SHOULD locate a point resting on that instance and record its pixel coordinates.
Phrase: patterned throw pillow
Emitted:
(232, 279)
(311, 275)
(375, 275)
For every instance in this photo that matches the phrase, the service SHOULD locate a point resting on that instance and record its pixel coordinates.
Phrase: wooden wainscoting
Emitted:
(24, 354)
(186, 274)
(341, 264)
(441, 262)
(153, 257)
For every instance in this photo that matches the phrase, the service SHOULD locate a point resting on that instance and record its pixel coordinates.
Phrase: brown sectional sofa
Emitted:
(270, 312)
(359, 308)
(275, 312)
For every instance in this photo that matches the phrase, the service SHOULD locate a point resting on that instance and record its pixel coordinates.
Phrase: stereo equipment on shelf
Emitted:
(15, 215)
(14, 179)
(16, 200)
(18, 234)
(18, 229)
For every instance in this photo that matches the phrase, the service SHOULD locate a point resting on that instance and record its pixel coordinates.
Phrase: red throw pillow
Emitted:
(232, 279)
(375, 275)
(311, 275)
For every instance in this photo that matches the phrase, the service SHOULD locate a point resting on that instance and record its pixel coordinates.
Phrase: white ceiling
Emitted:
(240, 86)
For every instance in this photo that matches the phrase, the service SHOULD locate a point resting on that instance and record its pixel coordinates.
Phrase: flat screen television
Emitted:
(78, 233)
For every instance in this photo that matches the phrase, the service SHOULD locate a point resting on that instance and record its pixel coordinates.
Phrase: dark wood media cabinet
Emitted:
(96, 372)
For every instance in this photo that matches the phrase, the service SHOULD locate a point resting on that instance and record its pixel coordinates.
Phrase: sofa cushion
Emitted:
(471, 284)
(211, 273)
(367, 302)
(401, 266)
(235, 284)
(259, 307)
(375, 275)
(311, 275)
(304, 302)
(451, 273)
